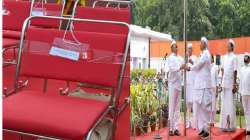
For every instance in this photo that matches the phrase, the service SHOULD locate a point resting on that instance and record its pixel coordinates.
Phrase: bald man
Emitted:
(229, 75)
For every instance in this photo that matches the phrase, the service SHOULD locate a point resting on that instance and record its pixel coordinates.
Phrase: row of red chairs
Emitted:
(18, 11)
(14, 14)
(93, 50)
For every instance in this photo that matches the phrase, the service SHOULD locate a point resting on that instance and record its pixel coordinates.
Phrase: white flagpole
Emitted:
(185, 42)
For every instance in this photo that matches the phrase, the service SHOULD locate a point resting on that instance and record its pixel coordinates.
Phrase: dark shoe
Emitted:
(171, 133)
(201, 133)
(248, 133)
(177, 133)
(212, 124)
(205, 136)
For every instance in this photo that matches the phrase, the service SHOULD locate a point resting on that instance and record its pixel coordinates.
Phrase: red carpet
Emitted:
(193, 135)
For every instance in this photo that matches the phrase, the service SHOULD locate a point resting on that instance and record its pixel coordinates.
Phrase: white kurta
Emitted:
(174, 84)
(202, 86)
(229, 65)
(214, 80)
(190, 81)
(190, 92)
(245, 92)
(228, 112)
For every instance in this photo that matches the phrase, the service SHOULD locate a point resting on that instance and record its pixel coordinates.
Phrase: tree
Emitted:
(211, 18)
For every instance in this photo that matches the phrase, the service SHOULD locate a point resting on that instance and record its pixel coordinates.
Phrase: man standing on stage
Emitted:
(229, 75)
(214, 79)
(202, 87)
(174, 83)
(189, 89)
(245, 90)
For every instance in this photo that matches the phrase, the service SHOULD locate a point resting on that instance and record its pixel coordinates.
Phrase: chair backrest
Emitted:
(100, 67)
(16, 13)
(109, 14)
(47, 9)
(112, 4)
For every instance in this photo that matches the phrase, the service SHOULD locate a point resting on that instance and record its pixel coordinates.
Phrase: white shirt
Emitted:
(203, 71)
(174, 73)
(214, 75)
(191, 74)
(245, 80)
(229, 65)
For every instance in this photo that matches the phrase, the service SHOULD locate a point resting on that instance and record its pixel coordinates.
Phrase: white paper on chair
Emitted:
(68, 54)
(4, 12)
(38, 12)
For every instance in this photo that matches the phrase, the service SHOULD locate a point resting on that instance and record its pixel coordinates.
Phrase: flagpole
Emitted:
(185, 47)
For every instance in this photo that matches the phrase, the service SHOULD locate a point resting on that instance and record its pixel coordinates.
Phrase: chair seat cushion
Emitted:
(11, 34)
(51, 115)
(8, 42)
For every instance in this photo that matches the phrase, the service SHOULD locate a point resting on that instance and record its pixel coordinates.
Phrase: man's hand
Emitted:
(234, 89)
(191, 61)
(235, 85)
(217, 91)
(182, 66)
(187, 68)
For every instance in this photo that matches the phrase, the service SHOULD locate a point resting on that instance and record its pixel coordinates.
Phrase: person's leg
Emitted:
(213, 105)
(223, 110)
(228, 113)
(199, 118)
(189, 104)
(232, 111)
(195, 107)
(189, 108)
(206, 106)
(171, 107)
(177, 108)
(205, 112)
(204, 120)
(246, 107)
(197, 101)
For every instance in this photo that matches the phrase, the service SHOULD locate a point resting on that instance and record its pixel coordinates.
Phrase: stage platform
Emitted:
(192, 134)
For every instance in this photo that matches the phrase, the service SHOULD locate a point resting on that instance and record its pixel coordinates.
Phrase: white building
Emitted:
(140, 46)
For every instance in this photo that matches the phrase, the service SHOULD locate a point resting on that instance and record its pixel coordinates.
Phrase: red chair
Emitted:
(102, 14)
(15, 12)
(47, 9)
(119, 4)
(42, 115)
(18, 11)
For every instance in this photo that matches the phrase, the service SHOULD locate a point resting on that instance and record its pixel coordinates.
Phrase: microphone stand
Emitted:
(158, 136)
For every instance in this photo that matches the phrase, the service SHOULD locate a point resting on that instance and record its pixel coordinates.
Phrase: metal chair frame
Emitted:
(114, 101)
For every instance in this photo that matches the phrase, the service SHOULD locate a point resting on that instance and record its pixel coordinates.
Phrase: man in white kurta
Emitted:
(214, 81)
(174, 84)
(190, 89)
(245, 90)
(202, 87)
(229, 74)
